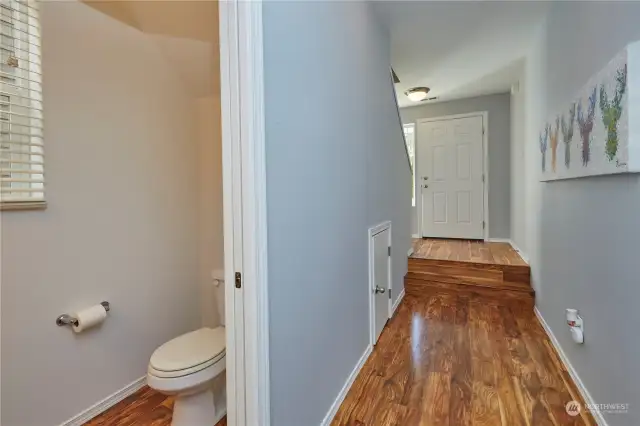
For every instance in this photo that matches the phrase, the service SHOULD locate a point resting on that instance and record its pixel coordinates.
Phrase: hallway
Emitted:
(446, 359)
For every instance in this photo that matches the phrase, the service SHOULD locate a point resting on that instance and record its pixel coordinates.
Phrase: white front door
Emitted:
(450, 177)
(381, 269)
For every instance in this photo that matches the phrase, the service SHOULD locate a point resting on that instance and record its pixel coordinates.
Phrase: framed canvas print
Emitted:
(598, 131)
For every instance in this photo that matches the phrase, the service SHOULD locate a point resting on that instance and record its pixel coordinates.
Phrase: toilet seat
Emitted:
(189, 353)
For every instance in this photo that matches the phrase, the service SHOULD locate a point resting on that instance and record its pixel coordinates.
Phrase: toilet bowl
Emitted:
(186, 367)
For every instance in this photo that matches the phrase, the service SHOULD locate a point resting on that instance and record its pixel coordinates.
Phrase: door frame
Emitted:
(485, 164)
(375, 230)
(245, 212)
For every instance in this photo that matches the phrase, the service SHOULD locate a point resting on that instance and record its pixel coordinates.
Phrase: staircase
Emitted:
(499, 279)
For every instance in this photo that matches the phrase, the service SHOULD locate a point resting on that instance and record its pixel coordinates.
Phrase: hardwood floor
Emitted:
(448, 360)
(466, 251)
(144, 408)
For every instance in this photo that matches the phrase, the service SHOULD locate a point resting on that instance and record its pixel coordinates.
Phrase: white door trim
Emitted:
(372, 319)
(245, 221)
(485, 164)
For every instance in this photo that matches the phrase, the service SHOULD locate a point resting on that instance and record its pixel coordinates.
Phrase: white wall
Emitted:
(122, 222)
(211, 250)
(499, 152)
(582, 234)
(336, 165)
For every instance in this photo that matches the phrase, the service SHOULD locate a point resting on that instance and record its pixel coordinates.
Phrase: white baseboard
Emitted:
(499, 240)
(345, 389)
(522, 254)
(415, 235)
(106, 403)
(410, 252)
(220, 416)
(572, 372)
(397, 302)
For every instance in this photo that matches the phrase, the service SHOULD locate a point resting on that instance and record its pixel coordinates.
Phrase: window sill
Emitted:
(27, 205)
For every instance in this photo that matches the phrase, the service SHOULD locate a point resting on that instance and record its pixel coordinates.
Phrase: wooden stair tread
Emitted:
(466, 250)
(467, 264)
(497, 283)
(415, 287)
(472, 270)
(465, 287)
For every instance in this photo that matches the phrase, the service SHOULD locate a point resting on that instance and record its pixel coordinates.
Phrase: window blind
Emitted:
(21, 141)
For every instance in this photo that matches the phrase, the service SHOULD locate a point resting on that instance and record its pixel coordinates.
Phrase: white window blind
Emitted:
(21, 142)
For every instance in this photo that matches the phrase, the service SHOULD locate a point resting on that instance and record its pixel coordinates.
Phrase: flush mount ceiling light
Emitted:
(417, 94)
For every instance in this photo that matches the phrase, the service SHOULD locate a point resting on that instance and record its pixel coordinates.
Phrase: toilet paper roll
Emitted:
(89, 317)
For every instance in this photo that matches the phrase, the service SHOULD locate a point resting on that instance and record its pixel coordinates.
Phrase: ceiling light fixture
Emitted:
(417, 94)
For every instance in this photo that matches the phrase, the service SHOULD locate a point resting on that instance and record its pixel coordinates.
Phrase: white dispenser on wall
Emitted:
(576, 326)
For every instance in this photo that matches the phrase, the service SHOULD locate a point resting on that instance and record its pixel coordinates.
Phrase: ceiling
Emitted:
(185, 31)
(459, 48)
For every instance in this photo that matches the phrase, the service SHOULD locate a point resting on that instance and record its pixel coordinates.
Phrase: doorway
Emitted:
(245, 222)
(451, 174)
(380, 306)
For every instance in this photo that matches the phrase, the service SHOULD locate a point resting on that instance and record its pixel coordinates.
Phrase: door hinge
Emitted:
(238, 280)
(483, 224)
(389, 291)
(389, 250)
(483, 130)
(483, 178)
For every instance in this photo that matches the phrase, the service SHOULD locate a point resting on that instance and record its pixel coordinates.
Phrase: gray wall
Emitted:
(518, 175)
(585, 232)
(336, 165)
(499, 152)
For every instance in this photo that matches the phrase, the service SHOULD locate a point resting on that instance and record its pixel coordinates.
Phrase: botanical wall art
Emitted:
(606, 141)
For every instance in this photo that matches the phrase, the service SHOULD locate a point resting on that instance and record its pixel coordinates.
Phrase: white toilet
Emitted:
(186, 367)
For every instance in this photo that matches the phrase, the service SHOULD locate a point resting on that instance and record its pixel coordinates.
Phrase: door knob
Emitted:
(425, 177)
(426, 186)
(380, 290)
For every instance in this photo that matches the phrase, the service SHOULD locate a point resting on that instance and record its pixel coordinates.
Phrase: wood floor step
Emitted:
(517, 274)
(470, 280)
(494, 273)
(416, 261)
(511, 273)
(420, 288)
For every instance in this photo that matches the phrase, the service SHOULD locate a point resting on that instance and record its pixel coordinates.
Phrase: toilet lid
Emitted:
(189, 350)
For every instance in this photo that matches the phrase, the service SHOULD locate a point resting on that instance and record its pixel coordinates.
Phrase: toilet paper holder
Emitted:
(66, 319)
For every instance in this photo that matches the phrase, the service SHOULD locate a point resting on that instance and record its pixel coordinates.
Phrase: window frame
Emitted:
(410, 141)
(34, 164)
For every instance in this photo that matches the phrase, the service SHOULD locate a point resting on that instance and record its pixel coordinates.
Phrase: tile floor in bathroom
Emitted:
(144, 408)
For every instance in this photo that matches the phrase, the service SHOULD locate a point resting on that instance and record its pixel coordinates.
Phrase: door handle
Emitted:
(426, 186)
(379, 290)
